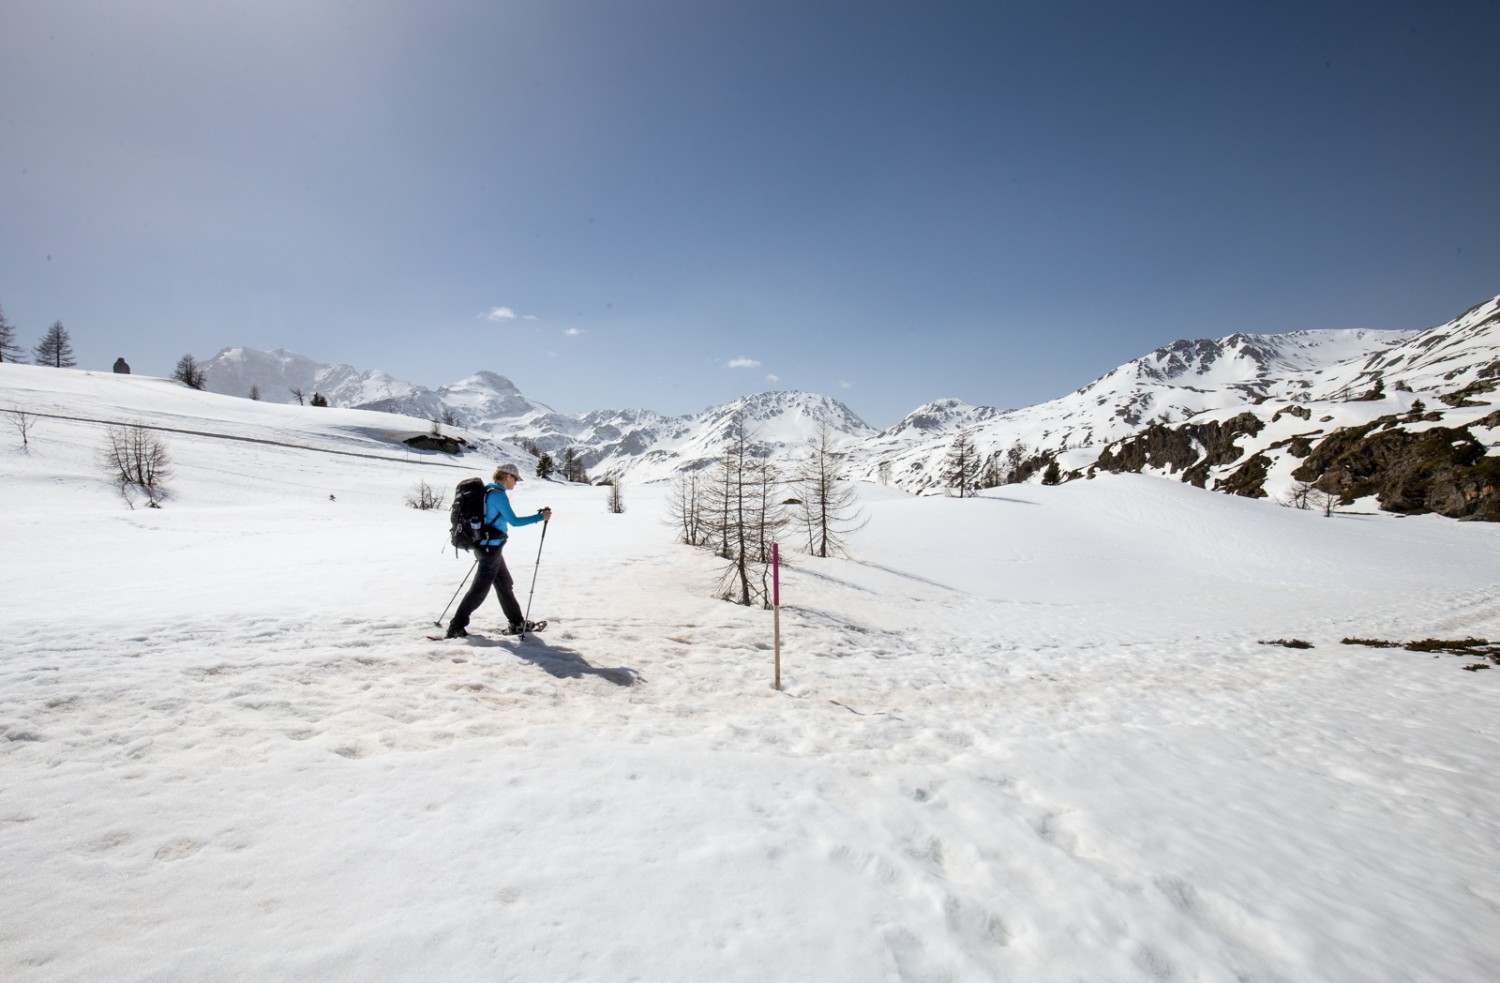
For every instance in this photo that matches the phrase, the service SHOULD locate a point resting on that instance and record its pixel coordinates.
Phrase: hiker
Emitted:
(498, 515)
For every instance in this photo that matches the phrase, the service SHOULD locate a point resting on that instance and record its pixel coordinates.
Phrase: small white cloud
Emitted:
(773, 377)
(574, 332)
(743, 363)
(498, 314)
(844, 384)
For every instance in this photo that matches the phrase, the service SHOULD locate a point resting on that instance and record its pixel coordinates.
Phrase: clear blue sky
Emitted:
(682, 201)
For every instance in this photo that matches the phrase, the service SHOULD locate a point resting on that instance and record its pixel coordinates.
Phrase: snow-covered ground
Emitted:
(1033, 736)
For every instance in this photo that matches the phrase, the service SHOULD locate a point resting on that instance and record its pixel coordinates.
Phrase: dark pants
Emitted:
(491, 572)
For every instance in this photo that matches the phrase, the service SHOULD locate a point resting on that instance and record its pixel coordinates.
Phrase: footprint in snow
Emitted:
(178, 848)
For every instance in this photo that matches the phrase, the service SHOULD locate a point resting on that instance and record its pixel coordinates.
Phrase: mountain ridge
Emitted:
(1203, 380)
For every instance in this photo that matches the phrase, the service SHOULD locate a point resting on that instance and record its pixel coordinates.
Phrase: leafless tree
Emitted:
(992, 474)
(1325, 500)
(748, 513)
(23, 422)
(616, 500)
(425, 498)
(136, 459)
(1298, 497)
(572, 466)
(9, 350)
(301, 400)
(685, 507)
(190, 373)
(961, 466)
(830, 504)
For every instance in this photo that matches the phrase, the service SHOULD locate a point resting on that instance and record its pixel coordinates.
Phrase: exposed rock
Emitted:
(1441, 469)
(1191, 448)
(1249, 479)
(436, 442)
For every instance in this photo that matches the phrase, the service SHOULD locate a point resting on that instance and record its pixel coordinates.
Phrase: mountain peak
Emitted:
(485, 379)
(939, 415)
(784, 409)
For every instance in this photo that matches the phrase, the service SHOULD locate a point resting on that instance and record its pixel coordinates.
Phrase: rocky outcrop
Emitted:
(1190, 448)
(436, 442)
(1439, 469)
(1249, 479)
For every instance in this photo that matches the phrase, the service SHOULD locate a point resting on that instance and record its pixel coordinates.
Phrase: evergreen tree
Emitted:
(55, 348)
(544, 466)
(1053, 474)
(318, 399)
(9, 350)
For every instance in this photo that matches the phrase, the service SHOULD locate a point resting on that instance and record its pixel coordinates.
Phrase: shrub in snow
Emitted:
(424, 498)
(137, 460)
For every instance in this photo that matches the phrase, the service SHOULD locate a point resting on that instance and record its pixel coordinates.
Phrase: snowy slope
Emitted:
(101, 400)
(1029, 736)
(1443, 359)
(276, 374)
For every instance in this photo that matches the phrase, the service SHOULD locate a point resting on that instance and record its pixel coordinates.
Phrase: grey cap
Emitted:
(509, 469)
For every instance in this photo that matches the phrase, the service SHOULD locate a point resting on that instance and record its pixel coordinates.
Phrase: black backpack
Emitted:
(466, 516)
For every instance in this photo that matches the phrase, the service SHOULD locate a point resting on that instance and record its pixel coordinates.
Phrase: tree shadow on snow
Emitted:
(559, 661)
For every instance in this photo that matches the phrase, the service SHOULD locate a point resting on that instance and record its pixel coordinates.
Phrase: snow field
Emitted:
(1031, 736)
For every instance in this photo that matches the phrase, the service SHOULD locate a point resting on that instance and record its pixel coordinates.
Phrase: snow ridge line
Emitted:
(251, 440)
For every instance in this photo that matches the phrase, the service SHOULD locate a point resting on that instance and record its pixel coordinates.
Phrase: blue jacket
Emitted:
(499, 515)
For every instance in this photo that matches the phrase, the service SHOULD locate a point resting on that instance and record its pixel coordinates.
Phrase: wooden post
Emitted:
(776, 606)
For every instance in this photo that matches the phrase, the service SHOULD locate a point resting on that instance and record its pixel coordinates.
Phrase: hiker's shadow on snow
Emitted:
(564, 663)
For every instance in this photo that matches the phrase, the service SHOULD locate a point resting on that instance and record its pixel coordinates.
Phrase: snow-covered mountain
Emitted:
(642, 443)
(782, 423)
(1411, 427)
(1449, 357)
(1173, 383)
(277, 376)
(1199, 380)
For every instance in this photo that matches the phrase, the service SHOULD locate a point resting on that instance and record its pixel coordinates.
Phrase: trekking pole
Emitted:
(526, 619)
(439, 621)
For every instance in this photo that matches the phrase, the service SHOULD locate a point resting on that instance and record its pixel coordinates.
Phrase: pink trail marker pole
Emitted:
(776, 606)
